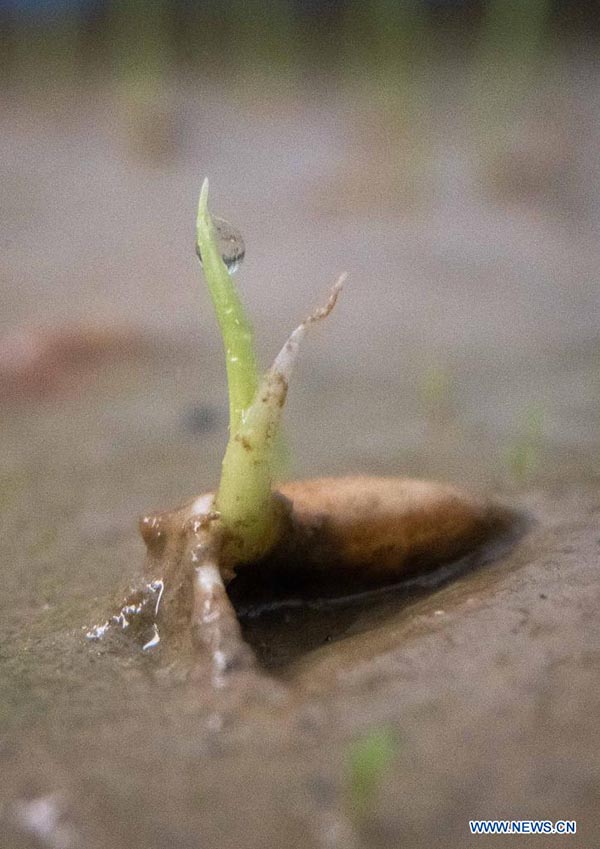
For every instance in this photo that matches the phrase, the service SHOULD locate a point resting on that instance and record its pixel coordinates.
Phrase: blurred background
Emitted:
(445, 154)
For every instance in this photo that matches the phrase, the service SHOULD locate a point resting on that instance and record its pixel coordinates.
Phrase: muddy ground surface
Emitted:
(465, 348)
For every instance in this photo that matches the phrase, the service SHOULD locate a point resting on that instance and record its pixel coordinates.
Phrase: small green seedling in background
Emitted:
(507, 66)
(515, 32)
(436, 392)
(524, 454)
(369, 760)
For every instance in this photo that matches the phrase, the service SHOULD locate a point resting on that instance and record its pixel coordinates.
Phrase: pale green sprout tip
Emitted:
(236, 330)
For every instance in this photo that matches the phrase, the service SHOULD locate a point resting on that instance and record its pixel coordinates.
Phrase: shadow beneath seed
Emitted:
(284, 619)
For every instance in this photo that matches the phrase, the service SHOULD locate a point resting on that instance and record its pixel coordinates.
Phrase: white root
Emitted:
(214, 622)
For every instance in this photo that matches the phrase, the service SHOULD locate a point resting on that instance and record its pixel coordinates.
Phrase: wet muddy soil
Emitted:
(465, 349)
(488, 681)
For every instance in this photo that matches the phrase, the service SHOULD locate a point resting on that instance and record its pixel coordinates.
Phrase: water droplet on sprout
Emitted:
(231, 244)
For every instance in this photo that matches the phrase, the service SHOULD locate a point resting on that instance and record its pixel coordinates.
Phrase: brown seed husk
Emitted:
(338, 532)
(373, 530)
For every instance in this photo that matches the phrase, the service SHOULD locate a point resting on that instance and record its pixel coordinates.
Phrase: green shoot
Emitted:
(369, 759)
(524, 453)
(249, 513)
(436, 391)
(238, 337)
